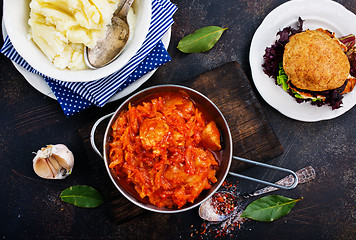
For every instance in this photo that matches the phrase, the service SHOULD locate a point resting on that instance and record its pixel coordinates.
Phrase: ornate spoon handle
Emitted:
(304, 175)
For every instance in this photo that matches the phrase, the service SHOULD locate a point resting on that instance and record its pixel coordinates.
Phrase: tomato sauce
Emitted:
(167, 147)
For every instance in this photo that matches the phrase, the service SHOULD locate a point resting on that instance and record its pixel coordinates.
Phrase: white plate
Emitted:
(15, 18)
(316, 13)
(41, 85)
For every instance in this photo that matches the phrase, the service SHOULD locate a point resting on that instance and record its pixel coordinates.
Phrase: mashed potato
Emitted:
(61, 28)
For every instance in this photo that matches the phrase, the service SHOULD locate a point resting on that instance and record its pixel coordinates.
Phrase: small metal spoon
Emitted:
(212, 211)
(110, 47)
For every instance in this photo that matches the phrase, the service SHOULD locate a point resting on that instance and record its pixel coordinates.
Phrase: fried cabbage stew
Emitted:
(167, 148)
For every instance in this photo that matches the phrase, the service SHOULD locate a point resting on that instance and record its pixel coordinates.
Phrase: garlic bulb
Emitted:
(53, 162)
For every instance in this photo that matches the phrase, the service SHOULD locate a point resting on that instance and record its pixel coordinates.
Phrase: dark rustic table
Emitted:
(31, 208)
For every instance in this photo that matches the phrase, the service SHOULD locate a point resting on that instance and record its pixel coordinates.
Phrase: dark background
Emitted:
(31, 208)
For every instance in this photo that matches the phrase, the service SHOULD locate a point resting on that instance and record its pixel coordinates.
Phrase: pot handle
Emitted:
(295, 183)
(92, 133)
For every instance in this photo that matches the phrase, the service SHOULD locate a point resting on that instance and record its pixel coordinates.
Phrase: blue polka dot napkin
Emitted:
(77, 96)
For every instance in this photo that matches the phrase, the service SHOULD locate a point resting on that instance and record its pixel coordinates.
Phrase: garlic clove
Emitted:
(42, 169)
(53, 162)
(63, 155)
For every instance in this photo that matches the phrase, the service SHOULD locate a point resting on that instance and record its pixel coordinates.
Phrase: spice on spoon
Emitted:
(226, 227)
(223, 203)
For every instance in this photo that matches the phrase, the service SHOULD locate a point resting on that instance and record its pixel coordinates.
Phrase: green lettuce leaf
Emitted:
(282, 80)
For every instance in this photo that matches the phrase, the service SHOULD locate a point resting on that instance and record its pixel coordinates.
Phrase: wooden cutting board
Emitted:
(229, 88)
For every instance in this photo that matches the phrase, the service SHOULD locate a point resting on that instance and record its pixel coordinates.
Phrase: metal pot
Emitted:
(227, 149)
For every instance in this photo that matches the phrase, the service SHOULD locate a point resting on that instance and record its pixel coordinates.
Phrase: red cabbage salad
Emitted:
(273, 67)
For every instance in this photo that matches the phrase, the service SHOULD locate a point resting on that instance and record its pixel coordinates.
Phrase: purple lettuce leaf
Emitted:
(274, 54)
(349, 41)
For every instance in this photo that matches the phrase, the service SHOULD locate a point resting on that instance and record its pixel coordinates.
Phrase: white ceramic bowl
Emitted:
(16, 14)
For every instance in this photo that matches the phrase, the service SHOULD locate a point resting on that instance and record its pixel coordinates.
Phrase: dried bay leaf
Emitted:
(201, 40)
(82, 196)
(269, 208)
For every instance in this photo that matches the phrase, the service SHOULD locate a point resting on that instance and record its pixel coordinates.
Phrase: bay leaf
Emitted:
(269, 208)
(201, 40)
(82, 196)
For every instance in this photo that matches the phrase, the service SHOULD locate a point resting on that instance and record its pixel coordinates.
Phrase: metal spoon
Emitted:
(110, 47)
(214, 211)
